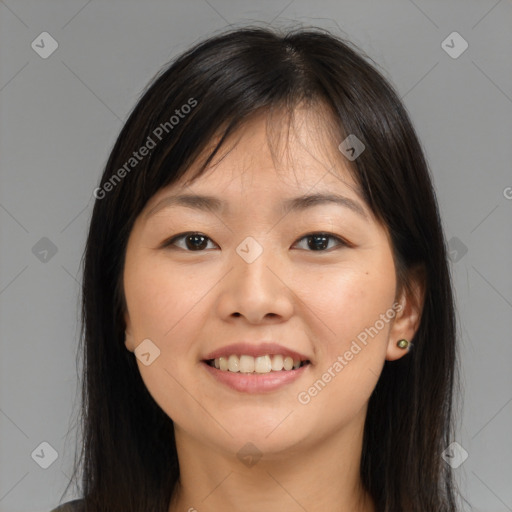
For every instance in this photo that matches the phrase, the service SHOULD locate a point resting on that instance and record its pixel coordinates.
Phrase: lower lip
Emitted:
(256, 382)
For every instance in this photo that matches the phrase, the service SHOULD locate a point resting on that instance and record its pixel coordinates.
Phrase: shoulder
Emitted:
(70, 506)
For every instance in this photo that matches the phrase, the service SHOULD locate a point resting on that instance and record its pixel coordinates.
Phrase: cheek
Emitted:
(161, 301)
(161, 305)
(351, 299)
(351, 356)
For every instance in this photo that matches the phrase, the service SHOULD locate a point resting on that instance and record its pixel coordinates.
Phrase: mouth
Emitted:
(256, 367)
(260, 365)
(256, 374)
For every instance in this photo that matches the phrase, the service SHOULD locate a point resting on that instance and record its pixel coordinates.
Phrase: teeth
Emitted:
(246, 364)
(233, 364)
(261, 364)
(277, 363)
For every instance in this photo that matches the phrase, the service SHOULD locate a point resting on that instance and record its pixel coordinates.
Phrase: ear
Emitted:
(128, 341)
(407, 320)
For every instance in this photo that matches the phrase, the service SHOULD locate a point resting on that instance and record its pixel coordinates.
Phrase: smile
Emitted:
(260, 365)
(254, 382)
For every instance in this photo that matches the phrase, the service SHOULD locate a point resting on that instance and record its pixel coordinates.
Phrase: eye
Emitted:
(318, 242)
(197, 242)
(193, 241)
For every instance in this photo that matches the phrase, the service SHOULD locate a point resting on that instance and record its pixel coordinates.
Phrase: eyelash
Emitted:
(341, 242)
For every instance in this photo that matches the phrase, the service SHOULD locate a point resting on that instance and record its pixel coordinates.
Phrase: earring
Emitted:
(403, 343)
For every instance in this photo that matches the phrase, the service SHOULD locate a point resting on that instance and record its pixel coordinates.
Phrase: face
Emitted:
(249, 283)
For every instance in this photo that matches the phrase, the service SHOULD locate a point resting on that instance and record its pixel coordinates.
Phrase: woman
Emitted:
(265, 249)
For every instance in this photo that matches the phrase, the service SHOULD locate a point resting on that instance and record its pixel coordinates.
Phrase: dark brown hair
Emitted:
(128, 458)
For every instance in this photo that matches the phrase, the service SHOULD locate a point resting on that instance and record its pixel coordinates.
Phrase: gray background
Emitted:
(61, 115)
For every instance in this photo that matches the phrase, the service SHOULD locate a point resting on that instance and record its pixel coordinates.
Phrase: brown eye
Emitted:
(319, 242)
(193, 242)
(198, 242)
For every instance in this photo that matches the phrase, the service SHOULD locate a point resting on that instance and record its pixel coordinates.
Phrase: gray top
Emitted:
(70, 506)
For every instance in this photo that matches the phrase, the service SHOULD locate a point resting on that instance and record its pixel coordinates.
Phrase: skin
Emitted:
(189, 303)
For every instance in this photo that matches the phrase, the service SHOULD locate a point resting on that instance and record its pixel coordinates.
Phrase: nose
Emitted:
(258, 291)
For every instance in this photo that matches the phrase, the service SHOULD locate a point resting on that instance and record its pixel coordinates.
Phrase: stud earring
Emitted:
(403, 343)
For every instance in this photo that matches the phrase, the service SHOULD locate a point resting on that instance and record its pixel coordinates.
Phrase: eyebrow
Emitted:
(215, 205)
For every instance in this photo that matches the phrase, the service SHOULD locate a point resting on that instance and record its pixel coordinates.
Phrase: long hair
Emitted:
(128, 459)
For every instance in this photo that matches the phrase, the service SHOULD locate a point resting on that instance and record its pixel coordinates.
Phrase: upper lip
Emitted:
(255, 349)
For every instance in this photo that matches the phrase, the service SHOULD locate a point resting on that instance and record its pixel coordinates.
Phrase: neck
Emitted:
(319, 477)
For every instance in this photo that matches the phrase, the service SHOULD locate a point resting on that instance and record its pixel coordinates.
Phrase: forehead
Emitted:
(276, 155)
